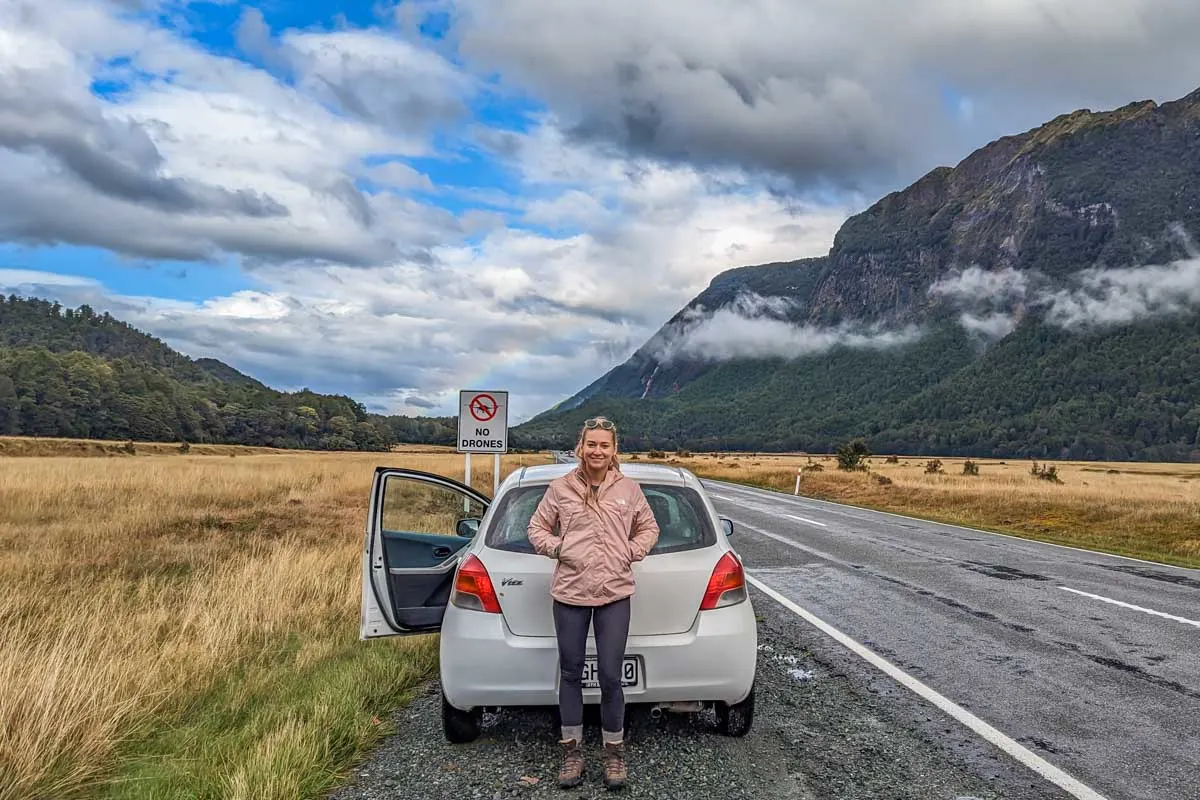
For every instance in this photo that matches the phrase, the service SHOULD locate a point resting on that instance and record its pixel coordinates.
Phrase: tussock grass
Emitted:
(187, 626)
(1144, 510)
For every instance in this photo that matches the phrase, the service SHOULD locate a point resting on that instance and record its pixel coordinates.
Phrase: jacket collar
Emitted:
(579, 480)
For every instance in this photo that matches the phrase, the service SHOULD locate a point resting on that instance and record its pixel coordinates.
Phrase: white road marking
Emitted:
(768, 494)
(793, 543)
(1030, 759)
(806, 519)
(1162, 614)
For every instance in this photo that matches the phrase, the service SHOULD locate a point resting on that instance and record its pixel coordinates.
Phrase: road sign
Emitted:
(482, 421)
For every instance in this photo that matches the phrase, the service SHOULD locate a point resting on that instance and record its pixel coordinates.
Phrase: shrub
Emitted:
(933, 467)
(970, 467)
(814, 467)
(850, 456)
(1046, 472)
(184, 447)
(130, 448)
(682, 453)
(656, 454)
(882, 480)
(892, 460)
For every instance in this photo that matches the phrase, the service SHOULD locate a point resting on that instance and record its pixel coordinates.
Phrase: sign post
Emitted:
(483, 428)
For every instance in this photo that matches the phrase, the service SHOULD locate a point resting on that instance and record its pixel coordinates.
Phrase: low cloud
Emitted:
(756, 327)
(1121, 296)
(419, 402)
(976, 284)
(993, 303)
(990, 301)
(992, 327)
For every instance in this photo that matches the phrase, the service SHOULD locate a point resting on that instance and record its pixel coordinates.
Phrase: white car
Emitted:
(469, 572)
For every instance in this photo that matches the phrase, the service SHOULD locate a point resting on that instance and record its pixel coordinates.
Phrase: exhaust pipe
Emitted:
(679, 707)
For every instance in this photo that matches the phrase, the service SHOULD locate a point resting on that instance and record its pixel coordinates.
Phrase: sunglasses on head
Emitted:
(599, 422)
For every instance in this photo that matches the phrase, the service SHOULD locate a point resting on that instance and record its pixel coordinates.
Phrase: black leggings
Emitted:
(611, 623)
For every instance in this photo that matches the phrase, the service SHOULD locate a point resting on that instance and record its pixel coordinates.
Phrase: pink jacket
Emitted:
(594, 541)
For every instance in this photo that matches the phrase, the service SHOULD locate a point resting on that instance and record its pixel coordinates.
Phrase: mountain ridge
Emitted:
(1033, 234)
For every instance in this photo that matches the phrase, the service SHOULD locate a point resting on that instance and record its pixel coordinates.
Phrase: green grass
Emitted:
(286, 727)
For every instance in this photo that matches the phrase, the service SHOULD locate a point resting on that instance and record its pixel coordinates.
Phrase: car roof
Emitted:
(642, 473)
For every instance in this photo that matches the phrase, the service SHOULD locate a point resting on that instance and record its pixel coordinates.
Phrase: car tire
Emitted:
(736, 719)
(460, 727)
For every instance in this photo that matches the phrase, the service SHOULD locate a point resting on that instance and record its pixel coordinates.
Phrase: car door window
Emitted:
(415, 507)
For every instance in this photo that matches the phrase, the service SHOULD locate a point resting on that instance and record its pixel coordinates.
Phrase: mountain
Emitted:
(75, 373)
(1038, 299)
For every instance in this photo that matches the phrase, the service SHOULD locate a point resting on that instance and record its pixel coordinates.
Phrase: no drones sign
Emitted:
(482, 421)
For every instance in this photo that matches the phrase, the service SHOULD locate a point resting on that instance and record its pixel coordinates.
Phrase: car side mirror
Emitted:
(727, 524)
(467, 527)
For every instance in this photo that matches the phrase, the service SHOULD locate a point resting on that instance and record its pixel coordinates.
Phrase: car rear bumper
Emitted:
(484, 664)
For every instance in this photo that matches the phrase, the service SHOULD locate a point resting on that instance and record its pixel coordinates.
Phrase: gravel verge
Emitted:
(826, 727)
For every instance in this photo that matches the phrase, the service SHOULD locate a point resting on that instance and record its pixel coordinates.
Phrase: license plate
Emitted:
(591, 672)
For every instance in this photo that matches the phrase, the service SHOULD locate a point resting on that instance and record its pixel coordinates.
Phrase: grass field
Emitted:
(1149, 511)
(187, 625)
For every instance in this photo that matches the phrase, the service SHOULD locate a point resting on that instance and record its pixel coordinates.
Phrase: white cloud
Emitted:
(978, 284)
(1122, 296)
(399, 176)
(27, 280)
(828, 90)
(756, 327)
(379, 78)
(993, 302)
(992, 326)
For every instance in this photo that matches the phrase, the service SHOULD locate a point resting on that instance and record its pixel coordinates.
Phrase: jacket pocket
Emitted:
(572, 546)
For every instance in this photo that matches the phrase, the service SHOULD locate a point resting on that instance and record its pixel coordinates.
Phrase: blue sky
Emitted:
(401, 200)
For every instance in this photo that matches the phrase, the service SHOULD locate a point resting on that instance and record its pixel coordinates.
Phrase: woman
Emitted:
(595, 522)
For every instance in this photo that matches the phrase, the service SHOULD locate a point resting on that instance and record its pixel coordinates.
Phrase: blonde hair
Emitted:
(614, 462)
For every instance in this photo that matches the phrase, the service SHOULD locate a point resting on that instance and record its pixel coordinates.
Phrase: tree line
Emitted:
(75, 373)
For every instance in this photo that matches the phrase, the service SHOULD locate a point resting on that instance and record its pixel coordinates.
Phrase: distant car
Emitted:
(439, 556)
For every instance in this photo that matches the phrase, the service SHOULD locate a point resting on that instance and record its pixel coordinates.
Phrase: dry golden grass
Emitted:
(132, 588)
(1148, 511)
(49, 446)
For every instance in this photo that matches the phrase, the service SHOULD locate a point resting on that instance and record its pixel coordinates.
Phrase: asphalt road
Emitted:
(1025, 636)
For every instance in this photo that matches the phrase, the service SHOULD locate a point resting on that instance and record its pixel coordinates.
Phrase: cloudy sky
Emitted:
(399, 200)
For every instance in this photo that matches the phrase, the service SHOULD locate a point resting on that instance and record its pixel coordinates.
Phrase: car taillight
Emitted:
(727, 586)
(473, 588)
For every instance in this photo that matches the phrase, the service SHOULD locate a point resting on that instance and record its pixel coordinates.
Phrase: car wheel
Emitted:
(460, 727)
(736, 719)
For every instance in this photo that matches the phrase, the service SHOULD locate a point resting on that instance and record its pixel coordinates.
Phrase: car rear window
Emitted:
(683, 522)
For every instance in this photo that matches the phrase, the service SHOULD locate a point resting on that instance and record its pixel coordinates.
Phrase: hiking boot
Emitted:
(571, 774)
(614, 766)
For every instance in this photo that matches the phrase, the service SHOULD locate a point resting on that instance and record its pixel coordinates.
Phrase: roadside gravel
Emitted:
(826, 727)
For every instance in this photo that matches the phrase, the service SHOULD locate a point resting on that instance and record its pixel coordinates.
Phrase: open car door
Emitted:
(417, 526)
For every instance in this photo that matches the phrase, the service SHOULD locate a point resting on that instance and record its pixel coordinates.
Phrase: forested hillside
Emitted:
(76, 373)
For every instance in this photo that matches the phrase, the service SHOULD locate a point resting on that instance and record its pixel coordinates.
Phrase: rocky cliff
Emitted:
(1077, 231)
